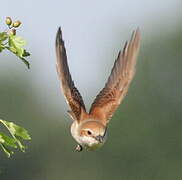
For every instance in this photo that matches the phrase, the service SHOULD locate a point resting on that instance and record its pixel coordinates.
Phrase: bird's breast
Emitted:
(87, 142)
(74, 130)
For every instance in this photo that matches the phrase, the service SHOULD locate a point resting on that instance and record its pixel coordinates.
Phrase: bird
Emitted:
(89, 129)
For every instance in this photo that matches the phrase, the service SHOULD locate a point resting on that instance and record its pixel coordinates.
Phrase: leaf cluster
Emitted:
(15, 44)
(17, 133)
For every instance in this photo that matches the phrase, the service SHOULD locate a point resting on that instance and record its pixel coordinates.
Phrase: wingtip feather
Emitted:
(59, 36)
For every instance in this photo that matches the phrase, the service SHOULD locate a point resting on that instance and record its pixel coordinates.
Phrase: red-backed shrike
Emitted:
(90, 129)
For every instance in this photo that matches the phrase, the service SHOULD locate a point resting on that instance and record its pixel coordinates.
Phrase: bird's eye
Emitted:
(89, 132)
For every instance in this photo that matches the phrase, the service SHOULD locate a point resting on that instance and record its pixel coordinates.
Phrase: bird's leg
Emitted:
(78, 148)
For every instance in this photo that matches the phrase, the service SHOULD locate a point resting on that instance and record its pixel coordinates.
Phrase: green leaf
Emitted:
(1, 139)
(1, 47)
(26, 62)
(6, 150)
(17, 40)
(16, 44)
(8, 141)
(3, 36)
(21, 146)
(12, 49)
(17, 134)
(17, 130)
(25, 53)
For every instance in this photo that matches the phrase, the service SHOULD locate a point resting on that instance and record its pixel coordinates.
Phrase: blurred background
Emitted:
(145, 136)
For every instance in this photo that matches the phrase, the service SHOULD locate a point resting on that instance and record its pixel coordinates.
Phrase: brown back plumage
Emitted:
(108, 100)
(71, 93)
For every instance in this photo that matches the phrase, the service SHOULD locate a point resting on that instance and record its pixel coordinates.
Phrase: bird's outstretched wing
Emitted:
(108, 100)
(71, 93)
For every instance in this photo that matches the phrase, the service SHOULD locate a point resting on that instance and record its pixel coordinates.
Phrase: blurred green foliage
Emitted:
(144, 140)
(9, 40)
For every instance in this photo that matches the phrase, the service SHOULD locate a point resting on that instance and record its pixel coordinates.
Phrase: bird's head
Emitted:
(92, 134)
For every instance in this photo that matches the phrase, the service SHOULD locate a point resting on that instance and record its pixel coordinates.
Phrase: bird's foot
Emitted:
(78, 148)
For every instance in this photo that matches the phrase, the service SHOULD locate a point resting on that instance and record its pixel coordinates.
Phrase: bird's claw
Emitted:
(78, 148)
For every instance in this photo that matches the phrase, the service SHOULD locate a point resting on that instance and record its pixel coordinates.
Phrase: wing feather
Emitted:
(110, 97)
(72, 95)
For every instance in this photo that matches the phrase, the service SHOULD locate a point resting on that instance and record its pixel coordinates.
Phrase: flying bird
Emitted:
(89, 129)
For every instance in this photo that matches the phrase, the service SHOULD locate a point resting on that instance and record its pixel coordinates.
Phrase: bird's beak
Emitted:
(99, 138)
